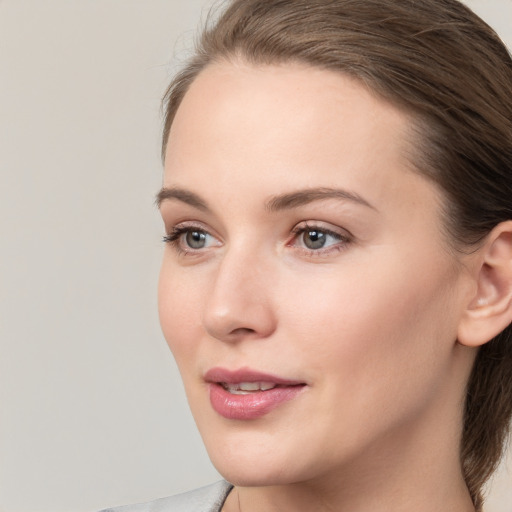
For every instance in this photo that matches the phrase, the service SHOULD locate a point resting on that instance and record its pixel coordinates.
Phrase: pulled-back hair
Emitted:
(449, 69)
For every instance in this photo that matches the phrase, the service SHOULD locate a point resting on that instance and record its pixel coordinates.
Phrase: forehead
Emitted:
(297, 97)
(285, 126)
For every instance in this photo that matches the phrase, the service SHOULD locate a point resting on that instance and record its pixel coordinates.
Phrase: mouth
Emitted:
(246, 388)
(246, 395)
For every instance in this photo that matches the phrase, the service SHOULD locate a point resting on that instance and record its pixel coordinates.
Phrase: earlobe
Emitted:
(490, 311)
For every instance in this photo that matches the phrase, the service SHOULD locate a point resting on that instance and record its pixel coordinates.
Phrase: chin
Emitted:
(247, 465)
(257, 474)
(261, 462)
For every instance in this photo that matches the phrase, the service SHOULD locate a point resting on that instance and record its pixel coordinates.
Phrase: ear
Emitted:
(490, 310)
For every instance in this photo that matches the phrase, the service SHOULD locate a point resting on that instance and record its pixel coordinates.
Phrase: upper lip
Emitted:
(226, 376)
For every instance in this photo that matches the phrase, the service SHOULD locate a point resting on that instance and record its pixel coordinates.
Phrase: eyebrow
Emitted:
(303, 197)
(180, 194)
(277, 203)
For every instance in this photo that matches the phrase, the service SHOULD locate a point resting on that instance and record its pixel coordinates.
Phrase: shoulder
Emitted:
(205, 499)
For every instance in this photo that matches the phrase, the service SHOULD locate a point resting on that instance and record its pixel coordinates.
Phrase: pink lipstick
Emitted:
(245, 394)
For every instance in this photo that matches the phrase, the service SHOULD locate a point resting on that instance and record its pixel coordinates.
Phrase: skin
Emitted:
(369, 321)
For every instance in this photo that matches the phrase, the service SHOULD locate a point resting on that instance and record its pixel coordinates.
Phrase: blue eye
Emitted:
(316, 239)
(196, 239)
(184, 238)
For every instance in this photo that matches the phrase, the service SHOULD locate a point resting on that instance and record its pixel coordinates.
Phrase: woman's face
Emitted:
(306, 291)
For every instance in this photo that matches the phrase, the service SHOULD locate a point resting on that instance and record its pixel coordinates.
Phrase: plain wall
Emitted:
(92, 411)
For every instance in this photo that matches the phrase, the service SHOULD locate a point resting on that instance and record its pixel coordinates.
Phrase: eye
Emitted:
(315, 238)
(190, 239)
(318, 239)
(196, 239)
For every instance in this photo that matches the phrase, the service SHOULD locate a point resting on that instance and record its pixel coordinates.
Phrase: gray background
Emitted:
(92, 412)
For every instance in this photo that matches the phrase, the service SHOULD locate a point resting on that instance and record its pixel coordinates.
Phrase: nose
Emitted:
(239, 305)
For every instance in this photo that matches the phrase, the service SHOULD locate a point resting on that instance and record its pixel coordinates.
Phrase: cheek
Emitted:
(179, 306)
(389, 331)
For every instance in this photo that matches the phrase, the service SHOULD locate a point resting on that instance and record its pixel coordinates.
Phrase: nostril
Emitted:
(242, 331)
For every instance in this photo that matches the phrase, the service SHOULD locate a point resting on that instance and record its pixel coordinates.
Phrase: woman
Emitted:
(337, 282)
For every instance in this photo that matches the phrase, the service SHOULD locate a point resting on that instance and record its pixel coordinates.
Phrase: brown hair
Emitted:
(441, 62)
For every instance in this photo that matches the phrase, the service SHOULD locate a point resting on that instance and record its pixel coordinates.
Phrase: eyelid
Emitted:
(323, 226)
(343, 236)
(176, 232)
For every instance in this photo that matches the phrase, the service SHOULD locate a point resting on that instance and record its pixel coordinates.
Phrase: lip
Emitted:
(254, 404)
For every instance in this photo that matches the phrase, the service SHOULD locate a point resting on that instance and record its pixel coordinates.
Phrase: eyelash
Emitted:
(174, 239)
(177, 232)
(343, 239)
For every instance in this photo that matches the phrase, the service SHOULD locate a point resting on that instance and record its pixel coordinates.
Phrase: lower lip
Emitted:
(252, 405)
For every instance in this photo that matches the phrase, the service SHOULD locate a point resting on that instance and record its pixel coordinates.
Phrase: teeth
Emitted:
(244, 388)
(264, 386)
